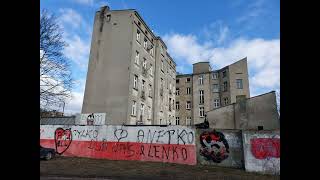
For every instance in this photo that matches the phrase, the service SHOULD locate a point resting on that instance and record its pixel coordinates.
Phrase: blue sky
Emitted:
(218, 31)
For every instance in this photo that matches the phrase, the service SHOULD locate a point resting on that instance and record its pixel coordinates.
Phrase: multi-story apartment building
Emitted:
(206, 89)
(131, 77)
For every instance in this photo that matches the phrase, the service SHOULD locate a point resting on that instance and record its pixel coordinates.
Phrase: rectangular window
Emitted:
(177, 120)
(142, 110)
(226, 101)
(188, 121)
(149, 112)
(177, 91)
(177, 106)
(138, 36)
(201, 111)
(188, 106)
(151, 69)
(216, 103)
(150, 90)
(177, 81)
(145, 43)
(215, 87)
(239, 84)
(135, 82)
(188, 90)
(225, 86)
(215, 76)
(188, 80)
(142, 86)
(133, 108)
(144, 63)
(224, 73)
(136, 60)
(201, 79)
(151, 51)
(162, 65)
(201, 96)
(160, 121)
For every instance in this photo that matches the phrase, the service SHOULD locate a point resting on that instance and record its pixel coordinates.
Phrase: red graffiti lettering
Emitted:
(262, 148)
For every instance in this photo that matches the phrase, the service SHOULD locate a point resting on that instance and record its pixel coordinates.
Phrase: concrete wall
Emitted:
(107, 84)
(219, 148)
(258, 111)
(262, 151)
(173, 144)
(247, 114)
(222, 118)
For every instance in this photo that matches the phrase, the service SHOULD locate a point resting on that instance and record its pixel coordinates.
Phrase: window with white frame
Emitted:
(201, 79)
(216, 103)
(138, 36)
(133, 108)
(215, 76)
(239, 84)
(188, 121)
(201, 96)
(188, 106)
(224, 73)
(226, 101)
(142, 110)
(136, 59)
(188, 90)
(143, 85)
(149, 112)
(177, 91)
(144, 63)
(150, 90)
(201, 111)
(135, 82)
(177, 120)
(145, 43)
(215, 87)
(177, 105)
(151, 69)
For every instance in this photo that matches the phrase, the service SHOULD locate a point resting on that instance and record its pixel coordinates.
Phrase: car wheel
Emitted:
(49, 156)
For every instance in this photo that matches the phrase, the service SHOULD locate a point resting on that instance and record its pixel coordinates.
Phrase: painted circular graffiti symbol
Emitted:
(214, 146)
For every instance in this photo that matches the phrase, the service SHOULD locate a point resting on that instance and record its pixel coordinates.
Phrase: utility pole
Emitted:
(63, 108)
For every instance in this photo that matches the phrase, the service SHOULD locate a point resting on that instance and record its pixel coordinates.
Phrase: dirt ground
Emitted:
(100, 168)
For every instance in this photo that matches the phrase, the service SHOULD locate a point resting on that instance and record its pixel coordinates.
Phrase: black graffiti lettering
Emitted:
(159, 132)
(174, 151)
(142, 150)
(169, 132)
(149, 151)
(190, 134)
(120, 134)
(155, 151)
(149, 136)
(181, 137)
(140, 134)
(88, 133)
(95, 133)
(184, 153)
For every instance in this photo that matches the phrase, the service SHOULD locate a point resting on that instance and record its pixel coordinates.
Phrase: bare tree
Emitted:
(55, 74)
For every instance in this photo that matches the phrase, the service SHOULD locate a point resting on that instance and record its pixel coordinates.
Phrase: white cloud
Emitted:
(74, 105)
(84, 2)
(77, 50)
(70, 17)
(263, 57)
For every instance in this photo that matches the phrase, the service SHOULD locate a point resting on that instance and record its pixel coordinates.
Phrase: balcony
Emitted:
(143, 95)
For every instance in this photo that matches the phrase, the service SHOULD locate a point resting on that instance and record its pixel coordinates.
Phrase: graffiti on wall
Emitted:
(62, 140)
(214, 146)
(166, 144)
(263, 148)
(93, 119)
